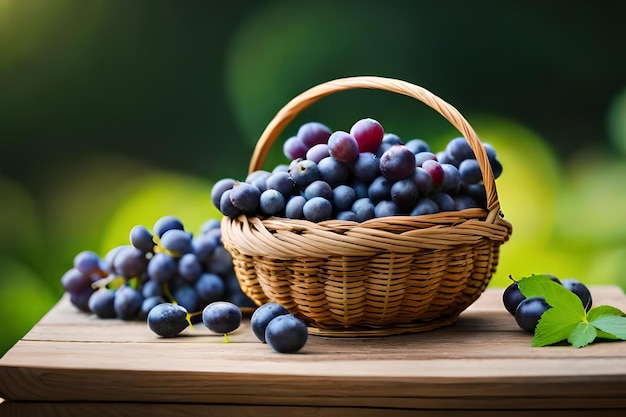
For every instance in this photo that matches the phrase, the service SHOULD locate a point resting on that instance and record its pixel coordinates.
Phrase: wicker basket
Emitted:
(379, 277)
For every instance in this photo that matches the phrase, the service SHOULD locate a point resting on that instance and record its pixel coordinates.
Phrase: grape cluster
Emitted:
(528, 311)
(359, 175)
(164, 265)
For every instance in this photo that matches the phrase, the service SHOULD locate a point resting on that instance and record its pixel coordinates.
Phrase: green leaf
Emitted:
(555, 294)
(603, 310)
(555, 325)
(583, 334)
(615, 325)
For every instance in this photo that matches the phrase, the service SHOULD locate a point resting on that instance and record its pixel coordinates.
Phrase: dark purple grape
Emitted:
(186, 296)
(210, 225)
(218, 189)
(263, 315)
(451, 178)
(177, 241)
(425, 206)
(460, 149)
(462, 202)
(333, 171)
(271, 202)
(162, 267)
(259, 179)
(387, 208)
(130, 262)
(293, 209)
(435, 171)
(313, 133)
(101, 303)
(166, 223)
(511, 297)
(397, 162)
(318, 152)
(477, 192)
(423, 180)
(380, 189)
(282, 182)
(80, 299)
(221, 261)
(148, 304)
(368, 134)
(422, 157)
(286, 334)
(360, 188)
(151, 288)
(444, 157)
(109, 258)
(127, 302)
(141, 238)
(496, 168)
(226, 206)
(293, 148)
(245, 197)
(529, 311)
(318, 188)
(221, 317)
(210, 287)
(366, 167)
(234, 294)
(364, 209)
(490, 151)
(190, 267)
(389, 139)
(470, 171)
(304, 172)
(343, 196)
(404, 193)
(167, 319)
(317, 209)
(88, 262)
(204, 244)
(346, 215)
(343, 146)
(417, 145)
(580, 290)
(444, 201)
(74, 281)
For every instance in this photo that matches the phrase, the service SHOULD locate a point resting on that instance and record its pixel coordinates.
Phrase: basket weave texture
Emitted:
(383, 276)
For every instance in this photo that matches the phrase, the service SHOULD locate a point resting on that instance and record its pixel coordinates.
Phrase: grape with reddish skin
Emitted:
(343, 146)
(397, 162)
(368, 134)
(435, 171)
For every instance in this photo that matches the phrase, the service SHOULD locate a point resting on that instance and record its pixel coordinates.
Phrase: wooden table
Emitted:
(74, 364)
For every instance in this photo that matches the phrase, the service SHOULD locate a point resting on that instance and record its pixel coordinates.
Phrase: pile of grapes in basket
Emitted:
(164, 265)
(359, 175)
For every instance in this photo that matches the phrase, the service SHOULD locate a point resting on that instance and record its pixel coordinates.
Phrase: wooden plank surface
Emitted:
(484, 361)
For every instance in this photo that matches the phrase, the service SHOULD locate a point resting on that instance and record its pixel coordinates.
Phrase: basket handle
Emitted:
(310, 96)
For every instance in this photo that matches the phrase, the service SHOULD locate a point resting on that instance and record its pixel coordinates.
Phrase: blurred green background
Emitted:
(114, 113)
